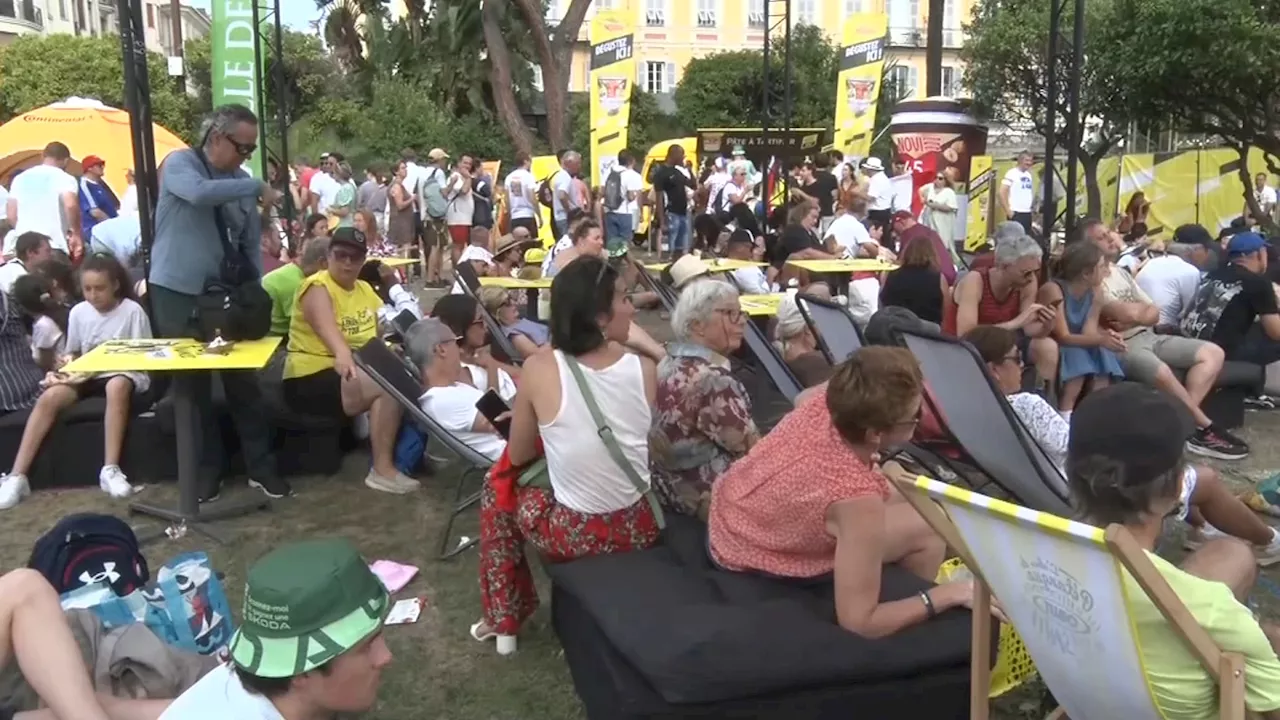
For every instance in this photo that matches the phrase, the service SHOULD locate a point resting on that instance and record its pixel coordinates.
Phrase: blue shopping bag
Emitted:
(185, 605)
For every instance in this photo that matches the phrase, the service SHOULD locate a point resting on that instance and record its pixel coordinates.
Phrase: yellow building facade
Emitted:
(670, 33)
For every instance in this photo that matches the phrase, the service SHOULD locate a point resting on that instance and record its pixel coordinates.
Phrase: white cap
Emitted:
(475, 252)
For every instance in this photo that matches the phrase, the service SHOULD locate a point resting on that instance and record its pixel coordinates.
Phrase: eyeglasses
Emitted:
(1014, 357)
(350, 256)
(733, 315)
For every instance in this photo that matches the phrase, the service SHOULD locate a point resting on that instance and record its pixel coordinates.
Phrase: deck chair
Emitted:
(395, 377)
(975, 412)
(1062, 585)
(832, 325)
(768, 359)
(467, 274)
(503, 349)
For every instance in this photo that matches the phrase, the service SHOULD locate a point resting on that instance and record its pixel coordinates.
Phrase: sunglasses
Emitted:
(346, 255)
(242, 149)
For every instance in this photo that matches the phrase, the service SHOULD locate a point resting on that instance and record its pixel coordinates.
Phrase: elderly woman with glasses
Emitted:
(334, 315)
(702, 418)
(527, 336)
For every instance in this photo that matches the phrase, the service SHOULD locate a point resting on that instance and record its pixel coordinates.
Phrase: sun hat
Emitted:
(873, 163)
(507, 243)
(475, 252)
(437, 154)
(687, 268)
(306, 603)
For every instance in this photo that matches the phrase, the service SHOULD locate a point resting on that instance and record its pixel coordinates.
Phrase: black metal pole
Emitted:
(137, 100)
(933, 48)
(767, 108)
(259, 93)
(281, 82)
(1075, 123)
(1048, 212)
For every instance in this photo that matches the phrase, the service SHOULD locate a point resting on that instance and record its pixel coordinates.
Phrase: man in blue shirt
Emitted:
(97, 202)
(187, 254)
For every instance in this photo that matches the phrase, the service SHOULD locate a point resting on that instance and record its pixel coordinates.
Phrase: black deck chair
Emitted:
(503, 349)
(467, 274)
(983, 424)
(833, 326)
(393, 375)
(767, 358)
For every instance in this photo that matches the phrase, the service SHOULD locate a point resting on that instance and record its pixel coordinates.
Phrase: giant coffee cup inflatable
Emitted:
(937, 135)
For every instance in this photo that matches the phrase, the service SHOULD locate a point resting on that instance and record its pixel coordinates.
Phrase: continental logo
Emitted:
(59, 119)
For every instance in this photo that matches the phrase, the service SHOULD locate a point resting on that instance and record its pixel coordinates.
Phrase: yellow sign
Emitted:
(515, 283)
(761, 305)
(858, 82)
(172, 356)
(839, 266)
(609, 82)
(981, 179)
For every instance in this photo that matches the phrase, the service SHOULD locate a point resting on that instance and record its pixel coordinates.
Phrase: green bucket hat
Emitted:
(306, 603)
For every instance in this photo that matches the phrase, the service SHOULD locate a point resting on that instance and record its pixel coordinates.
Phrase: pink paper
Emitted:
(394, 576)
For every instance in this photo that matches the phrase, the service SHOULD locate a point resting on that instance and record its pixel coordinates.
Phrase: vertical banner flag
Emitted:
(236, 75)
(612, 72)
(981, 177)
(858, 82)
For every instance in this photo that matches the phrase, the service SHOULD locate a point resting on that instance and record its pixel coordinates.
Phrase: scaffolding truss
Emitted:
(1064, 60)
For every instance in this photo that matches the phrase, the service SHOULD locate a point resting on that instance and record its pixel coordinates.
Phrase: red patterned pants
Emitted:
(558, 533)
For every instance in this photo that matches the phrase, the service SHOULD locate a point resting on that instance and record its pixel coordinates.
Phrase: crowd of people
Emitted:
(598, 432)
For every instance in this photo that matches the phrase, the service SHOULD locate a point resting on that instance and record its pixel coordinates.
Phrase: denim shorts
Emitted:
(617, 230)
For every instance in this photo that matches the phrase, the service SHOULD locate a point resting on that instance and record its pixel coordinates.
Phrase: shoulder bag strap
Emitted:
(223, 234)
(606, 436)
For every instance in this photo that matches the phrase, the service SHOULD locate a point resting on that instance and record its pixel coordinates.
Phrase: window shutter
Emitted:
(671, 78)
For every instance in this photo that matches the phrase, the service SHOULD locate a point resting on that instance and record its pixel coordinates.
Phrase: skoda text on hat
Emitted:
(305, 604)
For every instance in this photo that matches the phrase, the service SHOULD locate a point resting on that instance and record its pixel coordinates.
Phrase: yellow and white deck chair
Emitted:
(1061, 584)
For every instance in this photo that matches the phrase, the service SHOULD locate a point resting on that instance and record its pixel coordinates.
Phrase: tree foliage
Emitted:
(726, 89)
(311, 74)
(647, 127)
(1206, 66)
(36, 71)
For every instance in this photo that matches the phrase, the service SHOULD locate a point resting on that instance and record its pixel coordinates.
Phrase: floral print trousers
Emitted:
(558, 534)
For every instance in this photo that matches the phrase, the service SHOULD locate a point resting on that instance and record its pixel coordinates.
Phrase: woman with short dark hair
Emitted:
(595, 496)
(918, 284)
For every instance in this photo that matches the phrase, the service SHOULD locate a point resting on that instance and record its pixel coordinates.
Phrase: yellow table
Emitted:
(842, 266)
(516, 283)
(393, 261)
(180, 357)
(761, 305)
(172, 356)
(716, 265)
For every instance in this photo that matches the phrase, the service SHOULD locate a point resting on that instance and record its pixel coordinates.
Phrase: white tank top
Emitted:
(584, 476)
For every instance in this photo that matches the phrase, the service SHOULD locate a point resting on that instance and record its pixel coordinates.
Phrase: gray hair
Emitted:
(1013, 243)
(314, 252)
(571, 156)
(423, 337)
(698, 300)
(225, 119)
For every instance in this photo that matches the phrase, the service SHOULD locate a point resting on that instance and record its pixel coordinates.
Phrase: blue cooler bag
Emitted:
(185, 606)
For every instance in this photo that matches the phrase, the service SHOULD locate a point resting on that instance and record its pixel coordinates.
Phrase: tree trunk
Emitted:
(1093, 193)
(554, 57)
(500, 78)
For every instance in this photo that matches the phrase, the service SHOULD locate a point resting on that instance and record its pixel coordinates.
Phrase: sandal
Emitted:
(506, 644)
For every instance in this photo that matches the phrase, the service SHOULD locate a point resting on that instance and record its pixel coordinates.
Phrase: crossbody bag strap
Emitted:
(223, 234)
(611, 444)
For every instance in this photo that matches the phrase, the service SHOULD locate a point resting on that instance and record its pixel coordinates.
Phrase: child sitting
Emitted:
(108, 312)
(44, 311)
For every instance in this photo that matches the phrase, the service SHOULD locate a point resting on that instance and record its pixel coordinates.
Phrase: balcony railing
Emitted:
(918, 36)
(22, 10)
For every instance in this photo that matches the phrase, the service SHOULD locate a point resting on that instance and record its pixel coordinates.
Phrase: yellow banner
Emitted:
(981, 179)
(612, 72)
(858, 83)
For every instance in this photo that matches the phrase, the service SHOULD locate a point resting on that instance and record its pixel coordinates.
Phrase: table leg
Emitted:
(188, 512)
(531, 304)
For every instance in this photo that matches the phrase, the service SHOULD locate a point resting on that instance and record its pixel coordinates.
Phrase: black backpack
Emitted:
(546, 194)
(613, 195)
(86, 548)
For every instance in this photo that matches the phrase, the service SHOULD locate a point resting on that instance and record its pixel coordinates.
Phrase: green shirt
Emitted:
(282, 285)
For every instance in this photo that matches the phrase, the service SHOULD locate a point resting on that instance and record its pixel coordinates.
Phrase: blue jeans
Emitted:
(617, 231)
(677, 232)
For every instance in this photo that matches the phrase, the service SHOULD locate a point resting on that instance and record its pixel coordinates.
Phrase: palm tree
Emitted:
(342, 28)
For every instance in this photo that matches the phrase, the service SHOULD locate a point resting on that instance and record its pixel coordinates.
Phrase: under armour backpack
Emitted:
(85, 548)
(614, 199)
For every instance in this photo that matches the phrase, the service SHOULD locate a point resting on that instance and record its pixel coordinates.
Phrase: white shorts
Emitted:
(1188, 487)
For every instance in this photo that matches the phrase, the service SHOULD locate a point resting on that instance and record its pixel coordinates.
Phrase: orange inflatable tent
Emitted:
(86, 127)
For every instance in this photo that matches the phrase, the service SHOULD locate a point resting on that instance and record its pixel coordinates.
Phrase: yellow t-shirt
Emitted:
(1182, 688)
(356, 311)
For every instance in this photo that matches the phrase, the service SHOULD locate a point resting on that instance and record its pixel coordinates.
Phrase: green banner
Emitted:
(236, 75)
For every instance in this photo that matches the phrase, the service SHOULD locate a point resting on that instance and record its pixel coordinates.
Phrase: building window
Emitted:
(553, 11)
(852, 7)
(655, 13)
(536, 81)
(707, 17)
(659, 77)
(62, 9)
(806, 11)
(755, 14)
(951, 81)
(902, 81)
(603, 4)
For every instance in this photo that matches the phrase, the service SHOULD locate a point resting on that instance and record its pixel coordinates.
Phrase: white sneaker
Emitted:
(113, 482)
(1268, 554)
(13, 488)
(386, 485)
(407, 482)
